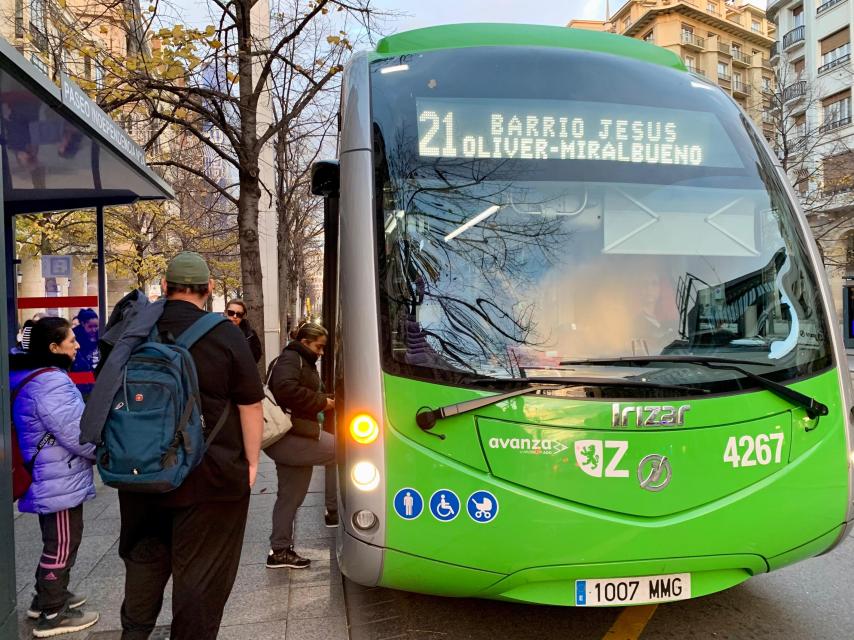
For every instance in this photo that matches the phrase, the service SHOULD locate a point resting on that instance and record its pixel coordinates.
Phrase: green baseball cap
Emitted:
(188, 267)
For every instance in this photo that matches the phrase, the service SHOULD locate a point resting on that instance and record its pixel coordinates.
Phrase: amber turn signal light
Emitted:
(364, 429)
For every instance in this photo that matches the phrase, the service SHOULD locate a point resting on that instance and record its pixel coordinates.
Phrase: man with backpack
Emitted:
(192, 532)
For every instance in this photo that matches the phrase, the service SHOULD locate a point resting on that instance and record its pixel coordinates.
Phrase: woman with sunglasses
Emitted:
(235, 311)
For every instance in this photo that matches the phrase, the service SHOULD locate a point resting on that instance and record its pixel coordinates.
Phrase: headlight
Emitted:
(365, 476)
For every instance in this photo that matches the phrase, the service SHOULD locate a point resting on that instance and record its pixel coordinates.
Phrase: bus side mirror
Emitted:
(325, 178)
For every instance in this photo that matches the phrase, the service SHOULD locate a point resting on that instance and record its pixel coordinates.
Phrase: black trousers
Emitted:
(199, 546)
(61, 535)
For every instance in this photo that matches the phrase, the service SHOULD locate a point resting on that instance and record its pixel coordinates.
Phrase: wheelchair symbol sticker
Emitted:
(482, 506)
(444, 505)
(408, 503)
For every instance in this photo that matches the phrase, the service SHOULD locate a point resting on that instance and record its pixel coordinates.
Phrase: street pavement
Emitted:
(265, 604)
(811, 600)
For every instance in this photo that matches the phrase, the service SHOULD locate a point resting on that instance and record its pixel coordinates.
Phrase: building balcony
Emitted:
(767, 63)
(797, 144)
(724, 48)
(836, 124)
(38, 38)
(838, 189)
(827, 6)
(724, 78)
(842, 60)
(794, 37)
(697, 70)
(795, 90)
(775, 50)
(691, 41)
(740, 88)
(740, 59)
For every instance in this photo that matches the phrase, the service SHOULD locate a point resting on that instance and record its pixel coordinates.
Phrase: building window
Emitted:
(798, 17)
(756, 26)
(835, 50)
(723, 71)
(99, 76)
(87, 67)
(627, 22)
(691, 63)
(836, 110)
(798, 67)
(766, 84)
(19, 18)
(39, 63)
(38, 25)
(801, 126)
(649, 37)
(712, 7)
(838, 171)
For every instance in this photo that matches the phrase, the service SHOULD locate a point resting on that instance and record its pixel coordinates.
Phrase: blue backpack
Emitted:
(154, 432)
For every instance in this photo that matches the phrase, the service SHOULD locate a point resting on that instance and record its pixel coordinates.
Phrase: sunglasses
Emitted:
(234, 314)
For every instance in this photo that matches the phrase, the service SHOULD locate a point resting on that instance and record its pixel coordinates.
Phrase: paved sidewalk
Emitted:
(265, 604)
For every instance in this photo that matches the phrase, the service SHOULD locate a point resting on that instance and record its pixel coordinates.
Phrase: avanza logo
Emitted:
(665, 415)
(528, 445)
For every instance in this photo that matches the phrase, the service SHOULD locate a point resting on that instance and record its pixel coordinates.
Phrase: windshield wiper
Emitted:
(813, 407)
(426, 417)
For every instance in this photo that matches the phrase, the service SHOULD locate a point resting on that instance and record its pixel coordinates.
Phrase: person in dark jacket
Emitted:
(235, 311)
(87, 337)
(295, 384)
(89, 355)
(46, 413)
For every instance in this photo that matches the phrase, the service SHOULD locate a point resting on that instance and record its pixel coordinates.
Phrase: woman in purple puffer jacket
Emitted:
(46, 411)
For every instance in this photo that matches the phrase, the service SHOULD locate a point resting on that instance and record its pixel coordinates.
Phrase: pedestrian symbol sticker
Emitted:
(444, 505)
(482, 506)
(408, 503)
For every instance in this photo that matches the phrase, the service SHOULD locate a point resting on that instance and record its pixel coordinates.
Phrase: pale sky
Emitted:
(425, 13)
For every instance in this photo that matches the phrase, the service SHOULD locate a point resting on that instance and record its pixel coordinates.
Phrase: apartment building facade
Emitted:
(727, 42)
(813, 58)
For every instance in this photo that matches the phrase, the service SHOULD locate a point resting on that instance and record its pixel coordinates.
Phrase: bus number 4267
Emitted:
(750, 451)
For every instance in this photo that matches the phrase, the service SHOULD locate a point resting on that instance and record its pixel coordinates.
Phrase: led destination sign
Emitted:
(570, 130)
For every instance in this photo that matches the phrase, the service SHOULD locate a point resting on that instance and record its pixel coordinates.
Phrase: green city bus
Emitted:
(584, 350)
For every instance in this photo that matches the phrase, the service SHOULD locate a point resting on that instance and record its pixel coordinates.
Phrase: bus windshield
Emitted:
(536, 206)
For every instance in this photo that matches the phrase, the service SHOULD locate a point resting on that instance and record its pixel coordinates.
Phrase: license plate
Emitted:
(617, 591)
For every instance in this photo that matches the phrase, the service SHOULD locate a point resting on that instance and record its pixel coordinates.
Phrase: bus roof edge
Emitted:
(455, 36)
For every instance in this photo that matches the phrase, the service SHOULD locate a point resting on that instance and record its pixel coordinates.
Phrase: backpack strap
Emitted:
(47, 438)
(199, 329)
(30, 377)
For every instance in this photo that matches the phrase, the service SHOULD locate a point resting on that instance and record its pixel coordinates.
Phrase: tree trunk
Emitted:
(250, 251)
(284, 284)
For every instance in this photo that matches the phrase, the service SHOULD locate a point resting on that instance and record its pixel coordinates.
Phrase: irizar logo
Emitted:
(665, 415)
(528, 445)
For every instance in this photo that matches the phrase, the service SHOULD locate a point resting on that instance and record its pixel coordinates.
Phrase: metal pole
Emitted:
(102, 266)
(8, 590)
(330, 287)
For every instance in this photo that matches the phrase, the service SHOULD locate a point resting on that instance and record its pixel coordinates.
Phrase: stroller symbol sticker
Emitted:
(408, 503)
(482, 506)
(444, 505)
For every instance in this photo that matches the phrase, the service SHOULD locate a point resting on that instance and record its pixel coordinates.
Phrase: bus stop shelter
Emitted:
(60, 152)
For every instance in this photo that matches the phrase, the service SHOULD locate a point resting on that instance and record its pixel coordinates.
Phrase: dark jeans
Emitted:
(295, 458)
(330, 471)
(61, 535)
(199, 546)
